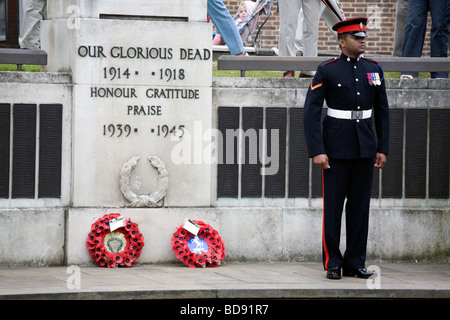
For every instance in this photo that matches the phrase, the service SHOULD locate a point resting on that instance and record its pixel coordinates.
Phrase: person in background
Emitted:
(416, 24)
(299, 26)
(400, 21)
(226, 26)
(30, 31)
(245, 10)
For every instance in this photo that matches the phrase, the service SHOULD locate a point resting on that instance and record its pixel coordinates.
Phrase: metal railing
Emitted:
(20, 57)
(271, 63)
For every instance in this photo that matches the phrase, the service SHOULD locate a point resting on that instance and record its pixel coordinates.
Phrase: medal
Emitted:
(374, 79)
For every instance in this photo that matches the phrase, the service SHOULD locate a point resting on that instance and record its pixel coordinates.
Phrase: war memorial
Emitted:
(125, 118)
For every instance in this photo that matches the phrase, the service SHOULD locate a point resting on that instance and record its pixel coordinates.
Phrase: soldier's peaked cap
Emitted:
(354, 26)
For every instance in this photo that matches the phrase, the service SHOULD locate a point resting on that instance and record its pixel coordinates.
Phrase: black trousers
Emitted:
(349, 180)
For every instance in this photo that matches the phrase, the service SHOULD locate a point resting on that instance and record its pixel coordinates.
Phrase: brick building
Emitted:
(381, 26)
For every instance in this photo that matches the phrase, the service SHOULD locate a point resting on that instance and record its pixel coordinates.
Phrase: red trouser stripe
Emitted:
(325, 249)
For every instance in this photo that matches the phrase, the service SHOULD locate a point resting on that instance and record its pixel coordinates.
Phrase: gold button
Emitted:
(358, 93)
(359, 107)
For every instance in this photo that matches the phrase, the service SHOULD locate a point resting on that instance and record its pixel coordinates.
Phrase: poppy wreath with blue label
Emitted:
(118, 248)
(206, 249)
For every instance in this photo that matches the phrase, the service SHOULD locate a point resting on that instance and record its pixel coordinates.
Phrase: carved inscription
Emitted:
(117, 70)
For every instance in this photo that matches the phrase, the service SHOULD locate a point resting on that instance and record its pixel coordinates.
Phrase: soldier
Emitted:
(347, 149)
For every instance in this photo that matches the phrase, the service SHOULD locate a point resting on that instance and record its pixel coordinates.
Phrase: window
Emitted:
(2, 20)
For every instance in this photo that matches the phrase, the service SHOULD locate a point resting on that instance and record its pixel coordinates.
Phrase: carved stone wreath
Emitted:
(153, 200)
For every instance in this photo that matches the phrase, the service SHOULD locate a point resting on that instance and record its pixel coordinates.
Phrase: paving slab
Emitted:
(248, 281)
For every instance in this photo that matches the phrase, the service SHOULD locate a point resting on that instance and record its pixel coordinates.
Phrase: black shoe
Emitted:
(358, 273)
(334, 273)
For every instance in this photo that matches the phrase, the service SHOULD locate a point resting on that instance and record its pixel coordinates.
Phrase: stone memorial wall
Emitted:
(123, 118)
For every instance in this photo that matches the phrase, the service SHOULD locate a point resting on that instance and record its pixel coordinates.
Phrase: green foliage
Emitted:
(13, 67)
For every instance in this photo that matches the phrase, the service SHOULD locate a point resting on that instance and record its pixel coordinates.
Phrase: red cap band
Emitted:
(352, 27)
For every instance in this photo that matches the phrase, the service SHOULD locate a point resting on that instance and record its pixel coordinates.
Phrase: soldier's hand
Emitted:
(380, 160)
(321, 160)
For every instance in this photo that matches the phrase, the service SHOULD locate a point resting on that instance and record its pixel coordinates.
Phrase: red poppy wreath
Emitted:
(205, 249)
(120, 245)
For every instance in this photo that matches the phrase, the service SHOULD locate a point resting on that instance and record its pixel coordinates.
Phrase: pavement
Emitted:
(227, 281)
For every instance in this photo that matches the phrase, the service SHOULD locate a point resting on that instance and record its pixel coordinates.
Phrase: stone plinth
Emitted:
(142, 87)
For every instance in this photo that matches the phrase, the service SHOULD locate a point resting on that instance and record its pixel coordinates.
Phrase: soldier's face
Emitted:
(352, 45)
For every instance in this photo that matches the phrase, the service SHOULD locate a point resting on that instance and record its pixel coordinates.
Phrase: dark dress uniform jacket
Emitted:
(345, 85)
